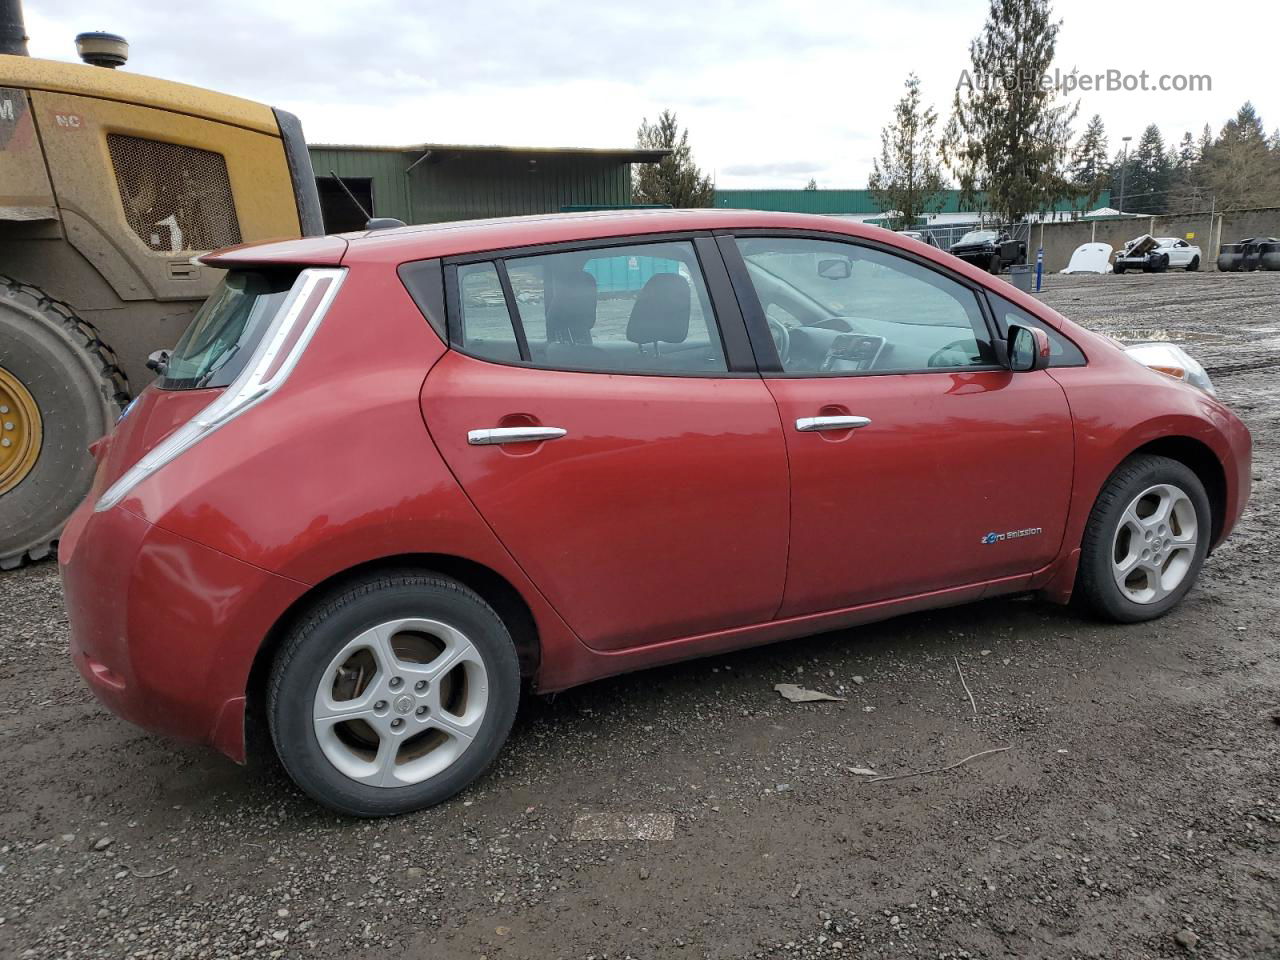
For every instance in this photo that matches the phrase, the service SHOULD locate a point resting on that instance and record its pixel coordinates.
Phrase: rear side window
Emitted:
(226, 329)
(486, 325)
(1062, 352)
(639, 308)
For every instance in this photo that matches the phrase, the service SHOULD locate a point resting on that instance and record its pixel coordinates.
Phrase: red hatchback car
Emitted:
(388, 479)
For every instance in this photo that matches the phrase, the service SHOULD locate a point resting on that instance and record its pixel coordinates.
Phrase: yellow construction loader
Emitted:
(110, 184)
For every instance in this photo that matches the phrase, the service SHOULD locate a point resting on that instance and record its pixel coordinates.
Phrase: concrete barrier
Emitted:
(1061, 239)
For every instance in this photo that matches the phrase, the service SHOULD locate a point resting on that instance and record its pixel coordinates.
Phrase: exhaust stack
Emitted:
(13, 31)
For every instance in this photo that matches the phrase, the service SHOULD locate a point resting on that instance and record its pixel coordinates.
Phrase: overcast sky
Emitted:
(772, 93)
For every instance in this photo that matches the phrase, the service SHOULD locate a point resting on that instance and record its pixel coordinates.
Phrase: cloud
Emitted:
(772, 93)
(789, 168)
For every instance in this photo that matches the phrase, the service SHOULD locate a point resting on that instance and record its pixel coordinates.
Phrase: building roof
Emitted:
(846, 202)
(82, 80)
(622, 154)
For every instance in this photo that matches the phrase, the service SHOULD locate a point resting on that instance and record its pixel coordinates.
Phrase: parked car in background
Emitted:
(924, 236)
(989, 250)
(388, 480)
(1249, 254)
(1157, 254)
(1269, 254)
(1090, 258)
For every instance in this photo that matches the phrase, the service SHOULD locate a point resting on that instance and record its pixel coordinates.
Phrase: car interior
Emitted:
(636, 309)
(812, 337)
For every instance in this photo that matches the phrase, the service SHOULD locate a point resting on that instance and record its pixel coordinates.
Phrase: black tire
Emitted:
(322, 631)
(993, 265)
(79, 390)
(1118, 268)
(1096, 588)
(1194, 265)
(1162, 263)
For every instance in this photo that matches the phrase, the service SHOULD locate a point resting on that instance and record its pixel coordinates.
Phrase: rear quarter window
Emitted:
(227, 328)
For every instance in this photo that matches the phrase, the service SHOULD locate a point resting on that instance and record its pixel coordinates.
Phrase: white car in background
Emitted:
(1157, 254)
(1090, 258)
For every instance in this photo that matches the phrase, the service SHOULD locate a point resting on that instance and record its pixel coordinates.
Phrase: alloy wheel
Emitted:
(401, 702)
(1155, 543)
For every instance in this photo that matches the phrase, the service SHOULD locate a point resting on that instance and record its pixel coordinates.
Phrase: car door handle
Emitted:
(492, 435)
(810, 424)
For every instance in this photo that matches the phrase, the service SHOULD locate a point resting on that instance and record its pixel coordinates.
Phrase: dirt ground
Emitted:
(1135, 813)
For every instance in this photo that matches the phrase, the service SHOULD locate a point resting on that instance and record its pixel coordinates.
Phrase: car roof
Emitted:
(460, 237)
(427, 241)
(476, 236)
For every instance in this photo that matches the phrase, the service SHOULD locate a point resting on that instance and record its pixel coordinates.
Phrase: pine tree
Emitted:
(1206, 141)
(1240, 168)
(812, 184)
(1148, 179)
(907, 179)
(1008, 137)
(1089, 168)
(1185, 193)
(675, 179)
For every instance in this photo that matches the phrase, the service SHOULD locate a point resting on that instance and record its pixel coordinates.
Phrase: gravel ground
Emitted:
(1135, 813)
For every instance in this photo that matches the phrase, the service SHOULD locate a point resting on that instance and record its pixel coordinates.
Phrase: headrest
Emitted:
(571, 310)
(661, 312)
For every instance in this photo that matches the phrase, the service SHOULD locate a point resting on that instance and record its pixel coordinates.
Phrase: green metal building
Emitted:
(433, 182)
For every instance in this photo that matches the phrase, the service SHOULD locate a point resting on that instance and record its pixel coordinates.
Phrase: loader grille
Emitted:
(175, 198)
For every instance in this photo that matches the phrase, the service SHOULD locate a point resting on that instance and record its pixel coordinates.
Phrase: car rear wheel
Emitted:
(1194, 264)
(393, 694)
(1118, 268)
(1145, 541)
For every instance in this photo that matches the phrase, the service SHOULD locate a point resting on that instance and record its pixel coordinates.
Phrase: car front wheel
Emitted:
(1145, 541)
(393, 694)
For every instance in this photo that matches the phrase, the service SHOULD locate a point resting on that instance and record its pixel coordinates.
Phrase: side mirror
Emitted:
(1028, 348)
(840, 269)
(158, 360)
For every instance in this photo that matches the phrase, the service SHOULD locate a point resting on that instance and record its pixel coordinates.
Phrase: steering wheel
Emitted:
(944, 356)
(781, 339)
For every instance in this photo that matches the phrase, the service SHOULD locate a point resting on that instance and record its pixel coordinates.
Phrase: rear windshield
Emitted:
(226, 330)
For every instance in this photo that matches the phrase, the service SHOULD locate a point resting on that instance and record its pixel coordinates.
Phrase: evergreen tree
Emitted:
(675, 179)
(812, 184)
(1148, 179)
(1185, 193)
(1090, 171)
(906, 179)
(1240, 168)
(1122, 174)
(1008, 137)
(1206, 141)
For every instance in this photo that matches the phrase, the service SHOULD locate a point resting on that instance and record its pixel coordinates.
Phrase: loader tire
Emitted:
(61, 389)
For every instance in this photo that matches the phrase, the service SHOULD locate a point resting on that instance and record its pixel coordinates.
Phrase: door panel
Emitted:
(661, 512)
(905, 504)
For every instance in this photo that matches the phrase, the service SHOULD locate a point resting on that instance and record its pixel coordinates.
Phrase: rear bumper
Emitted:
(164, 630)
